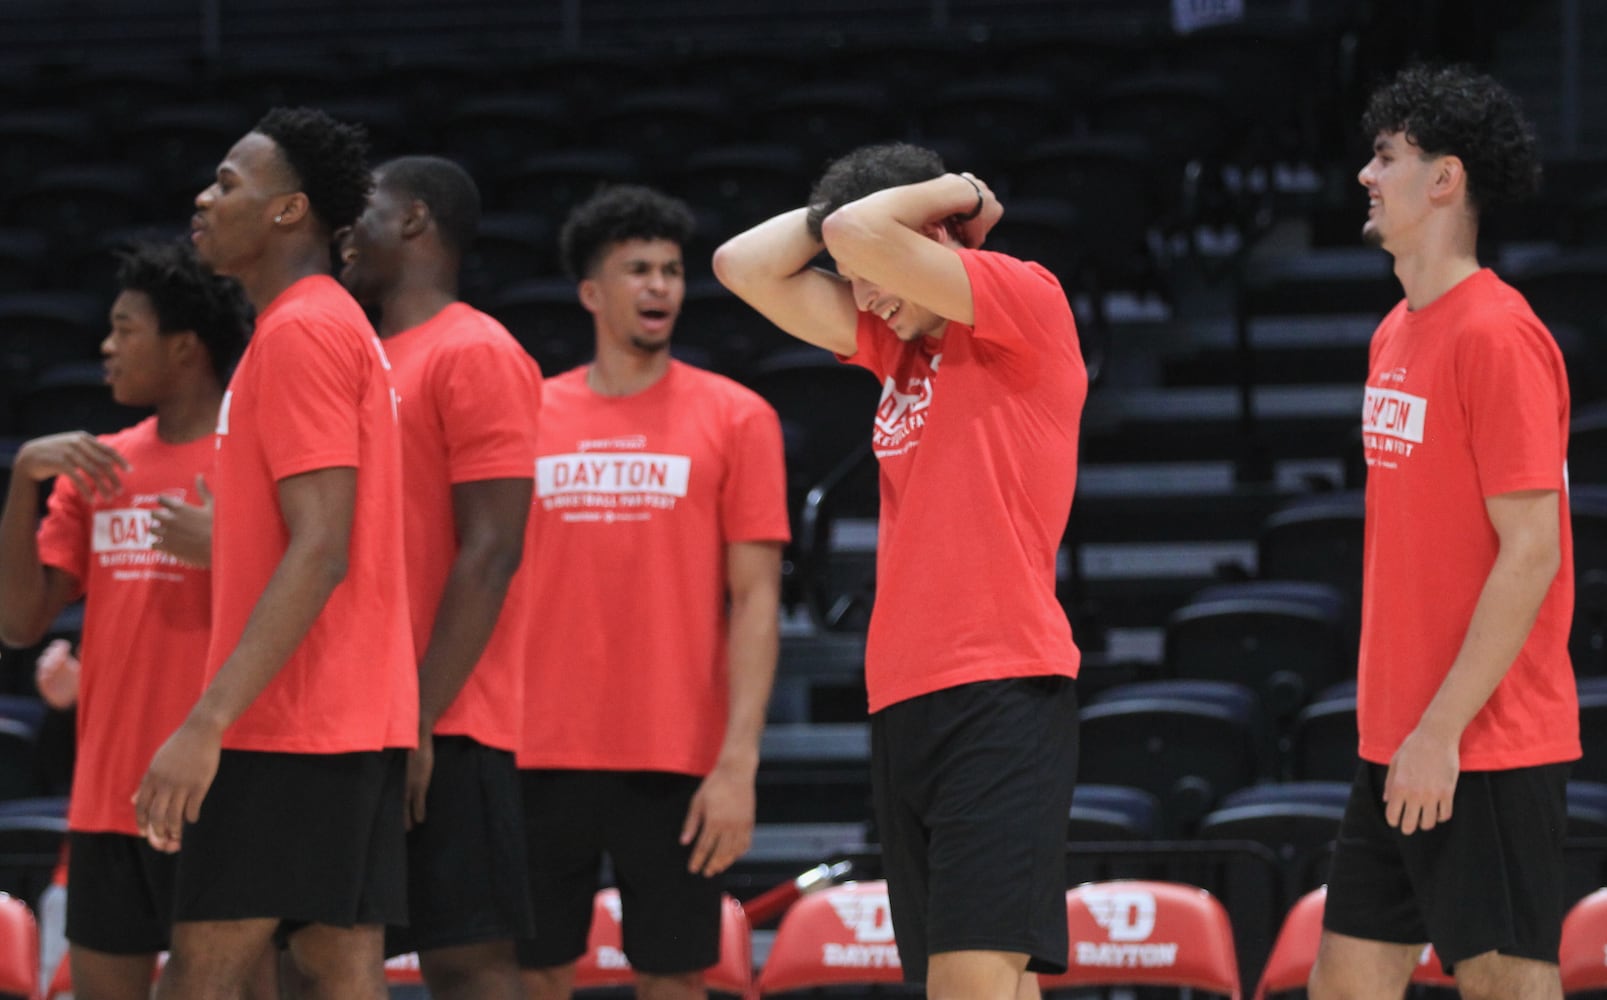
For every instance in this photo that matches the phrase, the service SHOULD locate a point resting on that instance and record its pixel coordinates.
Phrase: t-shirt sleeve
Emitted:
(1013, 307)
(63, 537)
(875, 344)
(489, 398)
(753, 498)
(311, 379)
(1515, 391)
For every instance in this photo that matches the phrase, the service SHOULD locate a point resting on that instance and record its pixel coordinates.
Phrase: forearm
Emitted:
(464, 621)
(770, 252)
(24, 614)
(293, 599)
(861, 234)
(753, 643)
(1500, 624)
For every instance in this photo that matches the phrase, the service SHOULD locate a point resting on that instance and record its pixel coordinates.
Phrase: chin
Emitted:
(1371, 236)
(650, 346)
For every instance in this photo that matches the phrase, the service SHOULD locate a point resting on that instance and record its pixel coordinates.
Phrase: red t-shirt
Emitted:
(147, 617)
(977, 439)
(468, 395)
(637, 498)
(1466, 399)
(312, 393)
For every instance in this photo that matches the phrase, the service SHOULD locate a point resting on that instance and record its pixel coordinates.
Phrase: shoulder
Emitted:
(135, 436)
(718, 392)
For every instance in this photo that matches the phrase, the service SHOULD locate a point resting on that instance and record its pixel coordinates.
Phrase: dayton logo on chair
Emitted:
(870, 919)
(1128, 917)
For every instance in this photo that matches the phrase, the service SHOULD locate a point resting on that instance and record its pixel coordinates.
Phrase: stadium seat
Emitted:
(19, 949)
(826, 120)
(672, 122)
(1317, 538)
(1146, 933)
(30, 847)
(74, 397)
(993, 114)
(32, 141)
(1587, 446)
(1297, 820)
(1295, 950)
(176, 144)
(19, 777)
(745, 183)
(1587, 642)
(1592, 730)
(22, 257)
(841, 936)
(1285, 639)
(492, 133)
(73, 203)
(509, 247)
(1047, 231)
(1323, 741)
(1584, 940)
(1112, 812)
(550, 184)
(1187, 743)
(605, 965)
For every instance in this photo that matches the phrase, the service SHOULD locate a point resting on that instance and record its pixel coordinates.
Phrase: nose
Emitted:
(106, 344)
(1364, 176)
(204, 198)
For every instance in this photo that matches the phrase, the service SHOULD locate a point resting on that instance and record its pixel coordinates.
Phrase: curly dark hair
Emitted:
(1455, 111)
(614, 215)
(188, 297)
(445, 188)
(867, 170)
(329, 159)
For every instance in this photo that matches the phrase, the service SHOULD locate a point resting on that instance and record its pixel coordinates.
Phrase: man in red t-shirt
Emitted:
(297, 744)
(658, 522)
(969, 660)
(1454, 830)
(468, 396)
(175, 332)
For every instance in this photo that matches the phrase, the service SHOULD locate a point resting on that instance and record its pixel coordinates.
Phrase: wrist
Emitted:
(976, 209)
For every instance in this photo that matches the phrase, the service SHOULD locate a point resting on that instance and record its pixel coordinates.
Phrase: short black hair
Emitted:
(329, 159)
(445, 188)
(867, 170)
(614, 215)
(188, 297)
(1452, 110)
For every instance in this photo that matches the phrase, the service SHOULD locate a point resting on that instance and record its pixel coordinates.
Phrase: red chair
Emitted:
(19, 948)
(1584, 944)
(1429, 972)
(1148, 933)
(1295, 950)
(605, 965)
(842, 936)
(403, 970)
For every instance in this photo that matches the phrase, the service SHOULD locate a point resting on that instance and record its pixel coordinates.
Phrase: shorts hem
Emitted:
(1038, 959)
(121, 950)
(454, 939)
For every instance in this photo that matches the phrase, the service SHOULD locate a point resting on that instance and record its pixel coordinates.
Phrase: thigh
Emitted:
(563, 853)
(119, 894)
(1353, 967)
(902, 835)
(466, 862)
(1493, 878)
(670, 917)
(1371, 892)
(989, 770)
(306, 838)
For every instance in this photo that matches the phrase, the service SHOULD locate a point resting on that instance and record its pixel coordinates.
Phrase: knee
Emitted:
(481, 970)
(554, 982)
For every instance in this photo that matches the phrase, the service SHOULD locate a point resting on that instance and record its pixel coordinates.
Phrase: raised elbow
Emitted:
(729, 267)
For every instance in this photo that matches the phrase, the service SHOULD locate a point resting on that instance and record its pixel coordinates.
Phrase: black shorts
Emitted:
(466, 861)
(119, 893)
(972, 786)
(1489, 879)
(670, 917)
(307, 838)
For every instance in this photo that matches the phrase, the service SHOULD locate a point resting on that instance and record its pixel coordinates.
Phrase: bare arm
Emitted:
(317, 507)
(893, 239)
(1422, 776)
(768, 268)
(722, 812)
(31, 593)
(490, 518)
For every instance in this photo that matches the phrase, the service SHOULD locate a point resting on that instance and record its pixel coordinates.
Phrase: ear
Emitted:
(184, 347)
(416, 219)
(1450, 179)
(290, 209)
(590, 295)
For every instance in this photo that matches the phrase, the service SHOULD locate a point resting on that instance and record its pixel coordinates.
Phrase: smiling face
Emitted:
(635, 293)
(234, 216)
(1399, 180)
(907, 320)
(140, 361)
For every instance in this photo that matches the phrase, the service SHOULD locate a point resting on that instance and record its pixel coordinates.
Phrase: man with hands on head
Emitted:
(1466, 701)
(175, 332)
(969, 659)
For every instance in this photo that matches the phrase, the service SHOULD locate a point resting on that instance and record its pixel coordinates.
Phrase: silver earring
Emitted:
(280, 217)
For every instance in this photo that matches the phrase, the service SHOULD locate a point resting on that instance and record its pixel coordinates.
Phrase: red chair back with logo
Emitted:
(1584, 944)
(604, 963)
(1295, 950)
(19, 948)
(1149, 933)
(841, 936)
